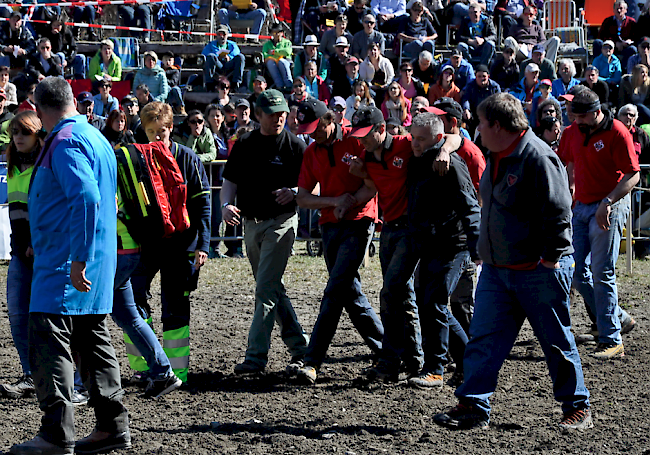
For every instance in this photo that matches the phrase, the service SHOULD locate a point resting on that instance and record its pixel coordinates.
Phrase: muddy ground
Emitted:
(270, 414)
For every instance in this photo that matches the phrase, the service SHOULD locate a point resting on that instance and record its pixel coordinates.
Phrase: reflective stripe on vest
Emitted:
(176, 344)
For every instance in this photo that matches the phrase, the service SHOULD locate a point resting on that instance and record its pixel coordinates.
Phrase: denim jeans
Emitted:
(344, 247)
(399, 311)
(127, 316)
(414, 48)
(596, 282)
(485, 51)
(280, 72)
(84, 14)
(175, 97)
(257, 15)
(504, 299)
(439, 273)
(138, 16)
(461, 300)
(268, 245)
(78, 64)
(19, 285)
(53, 338)
(214, 66)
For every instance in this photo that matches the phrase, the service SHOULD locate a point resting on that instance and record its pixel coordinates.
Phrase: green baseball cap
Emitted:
(272, 101)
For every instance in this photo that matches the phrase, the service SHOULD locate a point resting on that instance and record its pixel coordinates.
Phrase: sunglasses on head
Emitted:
(22, 131)
(196, 121)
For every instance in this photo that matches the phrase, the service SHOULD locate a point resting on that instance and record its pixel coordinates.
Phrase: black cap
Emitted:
(645, 41)
(482, 68)
(364, 119)
(393, 122)
(259, 79)
(450, 107)
(242, 102)
(309, 113)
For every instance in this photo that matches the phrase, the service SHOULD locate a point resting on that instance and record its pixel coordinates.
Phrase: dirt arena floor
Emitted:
(219, 413)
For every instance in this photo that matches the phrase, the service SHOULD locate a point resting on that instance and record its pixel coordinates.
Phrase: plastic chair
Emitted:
(559, 13)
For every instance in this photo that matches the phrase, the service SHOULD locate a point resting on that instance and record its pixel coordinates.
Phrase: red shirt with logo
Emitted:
(474, 159)
(330, 166)
(389, 175)
(600, 159)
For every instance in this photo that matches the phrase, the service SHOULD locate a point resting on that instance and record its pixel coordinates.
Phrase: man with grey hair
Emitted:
(525, 246)
(562, 85)
(424, 68)
(445, 240)
(73, 224)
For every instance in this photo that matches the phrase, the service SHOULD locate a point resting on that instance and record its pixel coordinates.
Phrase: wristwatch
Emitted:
(607, 201)
(294, 191)
(225, 204)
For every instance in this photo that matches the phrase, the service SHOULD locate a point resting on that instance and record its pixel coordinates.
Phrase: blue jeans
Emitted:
(485, 51)
(215, 66)
(19, 284)
(414, 48)
(138, 16)
(344, 247)
(84, 14)
(504, 299)
(280, 72)
(596, 282)
(439, 273)
(399, 311)
(175, 98)
(258, 15)
(78, 64)
(127, 316)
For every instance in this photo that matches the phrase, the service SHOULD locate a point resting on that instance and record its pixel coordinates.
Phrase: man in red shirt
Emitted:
(603, 168)
(525, 246)
(345, 238)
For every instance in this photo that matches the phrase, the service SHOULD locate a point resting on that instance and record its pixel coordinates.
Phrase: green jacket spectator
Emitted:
(105, 62)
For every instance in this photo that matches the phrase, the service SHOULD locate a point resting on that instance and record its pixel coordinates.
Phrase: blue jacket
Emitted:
(156, 79)
(473, 95)
(213, 48)
(102, 110)
(72, 214)
(609, 71)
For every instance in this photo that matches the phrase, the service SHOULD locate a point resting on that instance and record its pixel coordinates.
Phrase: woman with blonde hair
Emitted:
(634, 90)
(26, 142)
(396, 105)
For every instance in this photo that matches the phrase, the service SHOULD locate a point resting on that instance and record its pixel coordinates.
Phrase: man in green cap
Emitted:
(262, 172)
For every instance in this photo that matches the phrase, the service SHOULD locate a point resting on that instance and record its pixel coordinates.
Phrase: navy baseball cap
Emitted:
(364, 120)
(84, 97)
(309, 114)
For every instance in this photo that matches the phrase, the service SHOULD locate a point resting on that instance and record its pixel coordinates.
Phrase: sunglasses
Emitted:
(43, 48)
(369, 22)
(546, 111)
(338, 109)
(22, 131)
(407, 70)
(297, 85)
(224, 86)
(196, 121)
(105, 86)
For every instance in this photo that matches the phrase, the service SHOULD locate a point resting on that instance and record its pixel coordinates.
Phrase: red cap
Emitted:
(435, 110)
(568, 98)
(546, 82)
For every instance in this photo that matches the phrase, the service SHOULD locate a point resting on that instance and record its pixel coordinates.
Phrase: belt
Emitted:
(401, 222)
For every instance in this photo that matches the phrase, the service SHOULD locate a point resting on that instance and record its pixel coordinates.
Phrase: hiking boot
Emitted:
(456, 379)
(22, 388)
(79, 397)
(427, 381)
(307, 375)
(248, 367)
(606, 351)
(295, 365)
(140, 378)
(160, 387)
(461, 417)
(627, 325)
(39, 445)
(579, 419)
(100, 442)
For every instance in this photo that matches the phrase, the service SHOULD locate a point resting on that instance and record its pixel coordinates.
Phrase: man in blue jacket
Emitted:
(73, 222)
(222, 56)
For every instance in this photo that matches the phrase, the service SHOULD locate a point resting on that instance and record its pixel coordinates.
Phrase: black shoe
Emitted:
(382, 374)
(97, 442)
(160, 387)
(461, 417)
(247, 367)
(24, 387)
(456, 379)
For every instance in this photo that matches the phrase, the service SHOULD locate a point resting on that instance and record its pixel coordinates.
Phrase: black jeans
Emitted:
(52, 340)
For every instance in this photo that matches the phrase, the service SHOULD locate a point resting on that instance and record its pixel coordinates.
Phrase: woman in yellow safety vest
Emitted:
(26, 133)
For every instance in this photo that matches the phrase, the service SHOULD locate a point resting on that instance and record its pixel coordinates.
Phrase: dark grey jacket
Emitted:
(526, 212)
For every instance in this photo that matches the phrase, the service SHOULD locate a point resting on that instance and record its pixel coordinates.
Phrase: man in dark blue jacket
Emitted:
(525, 246)
(475, 92)
(477, 35)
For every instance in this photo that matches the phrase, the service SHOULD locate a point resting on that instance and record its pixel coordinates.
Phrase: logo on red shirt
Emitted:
(512, 179)
(599, 145)
(347, 158)
(398, 162)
